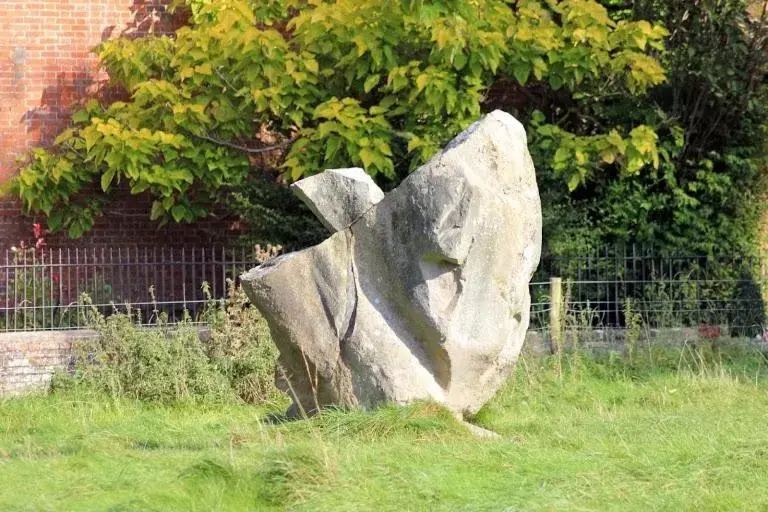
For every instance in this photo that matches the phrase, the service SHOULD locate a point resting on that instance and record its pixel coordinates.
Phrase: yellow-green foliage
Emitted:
(334, 83)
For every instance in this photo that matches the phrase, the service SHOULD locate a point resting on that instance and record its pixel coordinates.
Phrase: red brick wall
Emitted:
(45, 66)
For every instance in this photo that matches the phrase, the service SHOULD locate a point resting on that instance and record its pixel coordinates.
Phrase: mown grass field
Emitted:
(674, 431)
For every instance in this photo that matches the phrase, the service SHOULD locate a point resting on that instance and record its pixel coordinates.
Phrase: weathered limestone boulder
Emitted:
(420, 295)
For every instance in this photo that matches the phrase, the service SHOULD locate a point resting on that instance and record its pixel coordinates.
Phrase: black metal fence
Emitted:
(616, 286)
(42, 288)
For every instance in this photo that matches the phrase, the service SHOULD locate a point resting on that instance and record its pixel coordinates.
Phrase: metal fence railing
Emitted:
(41, 289)
(613, 286)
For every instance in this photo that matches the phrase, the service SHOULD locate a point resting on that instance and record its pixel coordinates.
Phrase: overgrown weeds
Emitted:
(241, 348)
(234, 360)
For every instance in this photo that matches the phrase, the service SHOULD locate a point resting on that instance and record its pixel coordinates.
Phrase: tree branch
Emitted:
(245, 149)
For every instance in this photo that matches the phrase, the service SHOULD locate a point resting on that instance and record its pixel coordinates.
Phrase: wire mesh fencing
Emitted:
(44, 289)
(617, 286)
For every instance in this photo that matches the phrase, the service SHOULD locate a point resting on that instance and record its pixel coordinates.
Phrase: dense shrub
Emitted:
(240, 347)
(706, 194)
(167, 363)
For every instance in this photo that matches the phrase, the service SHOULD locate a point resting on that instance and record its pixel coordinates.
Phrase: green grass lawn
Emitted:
(576, 434)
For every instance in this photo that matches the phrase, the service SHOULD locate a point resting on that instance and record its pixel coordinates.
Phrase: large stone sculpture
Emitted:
(419, 294)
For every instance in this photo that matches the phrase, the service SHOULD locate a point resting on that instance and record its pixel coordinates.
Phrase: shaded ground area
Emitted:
(679, 430)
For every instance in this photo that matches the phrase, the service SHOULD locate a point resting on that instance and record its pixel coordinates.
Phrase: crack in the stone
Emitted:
(350, 319)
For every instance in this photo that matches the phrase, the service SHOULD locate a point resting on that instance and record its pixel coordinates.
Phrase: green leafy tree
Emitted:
(304, 85)
(704, 193)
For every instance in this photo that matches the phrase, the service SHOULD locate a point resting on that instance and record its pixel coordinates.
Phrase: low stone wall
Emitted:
(28, 359)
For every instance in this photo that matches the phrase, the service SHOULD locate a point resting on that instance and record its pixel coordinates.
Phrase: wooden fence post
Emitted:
(556, 310)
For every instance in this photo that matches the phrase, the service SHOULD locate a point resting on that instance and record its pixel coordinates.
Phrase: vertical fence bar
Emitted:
(141, 294)
(173, 282)
(148, 286)
(607, 309)
(35, 288)
(7, 292)
(120, 271)
(578, 280)
(51, 283)
(83, 286)
(163, 271)
(16, 274)
(234, 270)
(213, 274)
(195, 284)
(684, 291)
(640, 277)
(24, 293)
(77, 283)
(625, 272)
(105, 290)
(202, 266)
(223, 273)
(184, 279)
(617, 301)
(112, 283)
(95, 269)
(60, 272)
(635, 277)
(243, 262)
(158, 293)
(154, 278)
(697, 290)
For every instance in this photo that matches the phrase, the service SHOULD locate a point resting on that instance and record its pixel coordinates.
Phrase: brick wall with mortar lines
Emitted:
(46, 65)
(28, 360)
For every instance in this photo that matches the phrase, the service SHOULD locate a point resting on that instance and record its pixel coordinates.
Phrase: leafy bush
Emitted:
(165, 363)
(273, 214)
(241, 349)
(705, 194)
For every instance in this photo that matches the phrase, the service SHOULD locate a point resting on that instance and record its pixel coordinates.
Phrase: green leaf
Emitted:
(371, 82)
(414, 143)
(91, 137)
(460, 60)
(63, 136)
(368, 157)
(331, 148)
(178, 212)
(55, 220)
(81, 116)
(107, 177)
(522, 72)
(421, 81)
(77, 229)
(574, 181)
(562, 155)
(157, 210)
